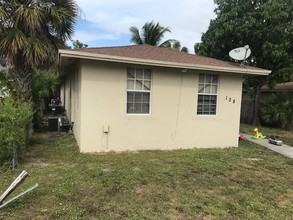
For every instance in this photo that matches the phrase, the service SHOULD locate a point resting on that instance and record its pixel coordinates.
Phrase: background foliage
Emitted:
(14, 120)
(31, 32)
(44, 83)
(264, 25)
(278, 111)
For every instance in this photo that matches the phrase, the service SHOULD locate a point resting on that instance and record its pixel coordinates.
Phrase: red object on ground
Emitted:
(241, 137)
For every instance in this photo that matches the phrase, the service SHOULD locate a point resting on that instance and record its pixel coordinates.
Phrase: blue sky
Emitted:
(107, 23)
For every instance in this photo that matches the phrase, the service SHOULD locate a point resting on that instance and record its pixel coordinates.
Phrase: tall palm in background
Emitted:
(176, 45)
(151, 34)
(31, 31)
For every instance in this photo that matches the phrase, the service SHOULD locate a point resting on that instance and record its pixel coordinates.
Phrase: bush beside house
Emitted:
(14, 120)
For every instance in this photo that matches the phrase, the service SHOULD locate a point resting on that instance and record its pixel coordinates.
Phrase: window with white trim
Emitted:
(207, 94)
(138, 90)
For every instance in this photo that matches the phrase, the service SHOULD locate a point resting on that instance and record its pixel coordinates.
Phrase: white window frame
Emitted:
(139, 90)
(206, 89)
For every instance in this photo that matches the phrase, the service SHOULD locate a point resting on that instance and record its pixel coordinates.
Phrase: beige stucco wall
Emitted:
(172, 123)
(71, 91)
(62, 92)
(75, 104)
(67, 101)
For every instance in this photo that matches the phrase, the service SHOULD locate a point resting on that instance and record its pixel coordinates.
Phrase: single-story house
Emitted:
(141, 97)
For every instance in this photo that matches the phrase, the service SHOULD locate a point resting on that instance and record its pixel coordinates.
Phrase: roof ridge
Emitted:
(161, 54)
(106, 47)
(151, 46)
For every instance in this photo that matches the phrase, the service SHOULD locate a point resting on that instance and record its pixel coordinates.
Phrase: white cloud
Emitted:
(87, 37)
(111, 19)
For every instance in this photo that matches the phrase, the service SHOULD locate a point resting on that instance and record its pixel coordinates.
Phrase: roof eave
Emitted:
(119, 59)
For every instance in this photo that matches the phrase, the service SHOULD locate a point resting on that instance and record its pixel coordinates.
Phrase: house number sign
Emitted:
(230, 99)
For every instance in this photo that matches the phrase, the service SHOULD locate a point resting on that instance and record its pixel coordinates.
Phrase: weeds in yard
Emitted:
(249, 182)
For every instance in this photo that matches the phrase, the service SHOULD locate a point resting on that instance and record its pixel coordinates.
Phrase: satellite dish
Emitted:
(240, 53)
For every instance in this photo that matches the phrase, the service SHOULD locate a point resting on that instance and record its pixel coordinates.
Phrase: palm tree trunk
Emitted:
(23, 78)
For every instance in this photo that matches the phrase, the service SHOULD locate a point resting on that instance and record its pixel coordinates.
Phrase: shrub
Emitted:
(43, 84)
(14, 125)
(278, 111)
(7, 85)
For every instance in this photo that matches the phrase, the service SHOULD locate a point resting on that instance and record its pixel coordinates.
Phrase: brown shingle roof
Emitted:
(154, 56)
(149, 52)
(288, 86)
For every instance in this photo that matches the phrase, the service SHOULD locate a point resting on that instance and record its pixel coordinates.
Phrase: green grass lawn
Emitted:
(248, 182)
(285, 136)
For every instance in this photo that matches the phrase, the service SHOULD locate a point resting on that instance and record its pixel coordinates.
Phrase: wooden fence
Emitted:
(246, 111)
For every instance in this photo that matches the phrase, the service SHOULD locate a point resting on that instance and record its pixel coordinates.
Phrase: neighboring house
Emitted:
(266, 93)
(143, 97)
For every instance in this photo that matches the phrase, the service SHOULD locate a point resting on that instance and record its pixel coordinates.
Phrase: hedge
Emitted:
(14, 126)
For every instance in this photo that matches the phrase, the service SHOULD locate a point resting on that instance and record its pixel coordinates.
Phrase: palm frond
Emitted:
(28, 18)
(151, 34)
(11, 42)
(60, 22)
(135, 38)
(31, 31)
(35, 52)
(3, 14)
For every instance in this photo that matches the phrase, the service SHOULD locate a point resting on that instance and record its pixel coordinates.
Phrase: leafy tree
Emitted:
(44, 83)
(184, 49)
(151, 34)
(77, 44)
(279, 110)
(264, 25)
(31, 32)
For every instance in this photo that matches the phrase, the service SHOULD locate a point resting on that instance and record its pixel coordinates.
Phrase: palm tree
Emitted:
(176, 45)
(151, 34)
(77, 44)
(31, 31)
